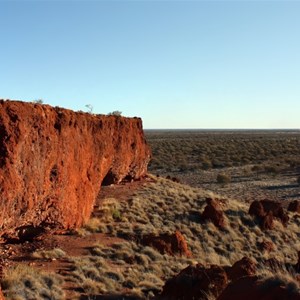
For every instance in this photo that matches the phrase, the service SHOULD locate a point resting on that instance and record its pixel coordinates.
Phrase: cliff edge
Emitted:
(53, 162)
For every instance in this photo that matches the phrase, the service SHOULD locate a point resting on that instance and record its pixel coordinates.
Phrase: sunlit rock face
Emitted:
(53, 162)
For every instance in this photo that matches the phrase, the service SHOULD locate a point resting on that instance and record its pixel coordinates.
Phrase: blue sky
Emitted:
(176, 64)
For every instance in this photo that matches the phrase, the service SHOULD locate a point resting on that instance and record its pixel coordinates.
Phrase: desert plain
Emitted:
(186, 229)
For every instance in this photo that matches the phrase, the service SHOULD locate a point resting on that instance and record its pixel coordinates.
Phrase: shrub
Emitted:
(272, 169)
(38, 101)
(223, 178)
(116, 214)
(206, 164)
(115, 113)
(23, 282)
(49, 254)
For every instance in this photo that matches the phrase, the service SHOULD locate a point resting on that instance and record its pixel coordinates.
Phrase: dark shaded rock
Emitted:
(195, 282)
(266, 246)
(257, 209)
(251, 287)
(172, 244)
(265, 211)
(267, 221)
(213, 213)
(294, 206)
(241, 268)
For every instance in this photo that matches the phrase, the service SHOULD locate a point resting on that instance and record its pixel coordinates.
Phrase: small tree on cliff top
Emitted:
(115, 113)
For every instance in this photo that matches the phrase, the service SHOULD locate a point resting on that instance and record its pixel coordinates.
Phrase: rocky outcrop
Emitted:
(172, 244)
(212, 212)
(195, 282)
(241, 268)
(235, 282)
(251, 287)
(53, 162)
(266, 210)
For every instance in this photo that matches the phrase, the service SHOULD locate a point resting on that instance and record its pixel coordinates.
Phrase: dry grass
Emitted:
(49, 254)
(165, 206)
(23, 283)
(162, 207)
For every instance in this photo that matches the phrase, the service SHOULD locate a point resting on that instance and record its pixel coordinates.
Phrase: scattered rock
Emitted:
(257, 209)
(267, 221)
(265, 211)
(251, 287)
(213, 213)
(267, 246)
(195, 282)
(241, 268)
(276, 209)
(294, 206)
(273, 264)
(172, 244)
(174, 179)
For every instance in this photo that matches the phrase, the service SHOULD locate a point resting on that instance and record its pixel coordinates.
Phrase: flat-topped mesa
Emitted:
(53, 162)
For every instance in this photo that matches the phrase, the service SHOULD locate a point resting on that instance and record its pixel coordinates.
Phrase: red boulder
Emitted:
(195, 282)
(266, 210)
(253, 288)
(294, 206)
(241, 268)
(213, 213)
(172, 244)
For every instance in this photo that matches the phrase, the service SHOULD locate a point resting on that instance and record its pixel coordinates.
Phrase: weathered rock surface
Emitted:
(267, 246)
(212, 212)
(53, 162)
(195, 282)
(172, 244)
(251, 287)
(266, 211)
(241, 268)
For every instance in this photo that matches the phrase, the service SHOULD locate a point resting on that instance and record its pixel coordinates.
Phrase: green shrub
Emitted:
(116, 214)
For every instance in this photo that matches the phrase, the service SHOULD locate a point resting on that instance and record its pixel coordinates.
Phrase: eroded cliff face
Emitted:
(53, 162)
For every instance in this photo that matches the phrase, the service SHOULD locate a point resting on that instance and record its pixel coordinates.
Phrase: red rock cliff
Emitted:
(53, 162)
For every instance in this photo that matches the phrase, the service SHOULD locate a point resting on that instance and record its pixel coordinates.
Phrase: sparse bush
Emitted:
(223, 178)
(90, 108)
(38, 101)
(206, 164)
(116, 214)
(23, 282)
(115, 113)
(93, 225)
(272, 169)
(49, 254)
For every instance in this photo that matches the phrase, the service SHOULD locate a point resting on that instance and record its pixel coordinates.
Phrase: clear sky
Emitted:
(176, 64)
